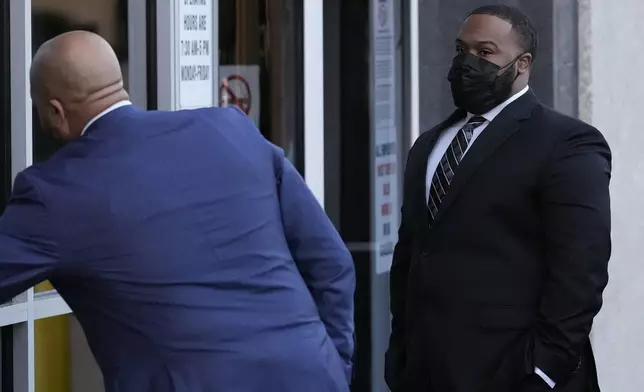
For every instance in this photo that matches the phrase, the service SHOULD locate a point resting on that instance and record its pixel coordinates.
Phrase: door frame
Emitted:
(314, 97)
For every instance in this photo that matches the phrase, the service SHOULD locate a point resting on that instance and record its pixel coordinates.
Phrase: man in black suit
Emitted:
(505, 234)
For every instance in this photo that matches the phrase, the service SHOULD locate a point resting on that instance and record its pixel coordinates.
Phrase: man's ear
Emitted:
(55, 112)
(524, 63)
(57, 119)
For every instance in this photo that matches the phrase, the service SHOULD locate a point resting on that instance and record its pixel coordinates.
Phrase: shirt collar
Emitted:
(489, 116)
(104, 112)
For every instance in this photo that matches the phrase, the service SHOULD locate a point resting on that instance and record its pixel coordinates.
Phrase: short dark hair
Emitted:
(520, 21)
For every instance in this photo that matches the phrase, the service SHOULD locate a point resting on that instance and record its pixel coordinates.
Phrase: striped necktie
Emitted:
(448, 164)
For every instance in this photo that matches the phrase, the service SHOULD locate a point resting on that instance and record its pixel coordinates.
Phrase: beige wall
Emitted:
(612, 99)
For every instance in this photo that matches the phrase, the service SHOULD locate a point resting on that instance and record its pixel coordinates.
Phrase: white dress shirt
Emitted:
(446, 137)
(443, 142)
(104, 112)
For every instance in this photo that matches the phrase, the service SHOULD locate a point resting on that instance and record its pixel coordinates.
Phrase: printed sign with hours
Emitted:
(196, 63)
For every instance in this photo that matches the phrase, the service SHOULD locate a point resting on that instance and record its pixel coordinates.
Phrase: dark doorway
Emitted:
(261, 59)
(348, 154)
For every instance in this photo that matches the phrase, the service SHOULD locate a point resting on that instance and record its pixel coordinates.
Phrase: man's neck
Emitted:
(520, 83)
(518, 88)
(100, 105)
(104, 110)
(490, 115)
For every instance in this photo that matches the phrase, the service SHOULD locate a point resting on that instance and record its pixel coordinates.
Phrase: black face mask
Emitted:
(477, 86)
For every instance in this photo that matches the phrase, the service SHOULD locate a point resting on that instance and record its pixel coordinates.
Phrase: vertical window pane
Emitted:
(50, 18)
(260, 54)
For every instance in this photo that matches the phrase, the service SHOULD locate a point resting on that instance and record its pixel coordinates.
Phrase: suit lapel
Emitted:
(504, 125)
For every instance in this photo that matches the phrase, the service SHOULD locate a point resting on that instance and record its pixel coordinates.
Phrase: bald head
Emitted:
(75, 76)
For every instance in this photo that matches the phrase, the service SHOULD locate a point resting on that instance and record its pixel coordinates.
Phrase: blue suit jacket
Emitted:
(192, 253)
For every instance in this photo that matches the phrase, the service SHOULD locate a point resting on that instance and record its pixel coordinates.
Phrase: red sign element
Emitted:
(385, 209)
(385, 169)
(238, 92)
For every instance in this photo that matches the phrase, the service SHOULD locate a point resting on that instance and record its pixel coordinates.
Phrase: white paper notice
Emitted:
(384, 134)
(196, 54)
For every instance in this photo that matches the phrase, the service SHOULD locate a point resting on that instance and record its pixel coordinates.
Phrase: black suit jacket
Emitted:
(510, 274)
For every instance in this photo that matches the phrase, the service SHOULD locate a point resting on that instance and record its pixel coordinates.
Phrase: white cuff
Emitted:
(545, 378)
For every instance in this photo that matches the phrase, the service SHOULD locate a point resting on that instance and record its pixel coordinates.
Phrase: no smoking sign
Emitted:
(240, 86)
(235, 90)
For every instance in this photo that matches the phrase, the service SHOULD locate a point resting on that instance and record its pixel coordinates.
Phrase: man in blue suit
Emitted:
(190, 250)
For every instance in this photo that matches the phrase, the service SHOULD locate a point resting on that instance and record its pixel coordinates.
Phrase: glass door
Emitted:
(260, 67)
(61, 360)
(364, 126)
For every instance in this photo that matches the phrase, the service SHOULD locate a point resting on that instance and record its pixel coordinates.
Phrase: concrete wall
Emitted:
(612, 99)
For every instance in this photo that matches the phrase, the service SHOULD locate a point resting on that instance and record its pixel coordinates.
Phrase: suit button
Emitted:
(424, 253)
